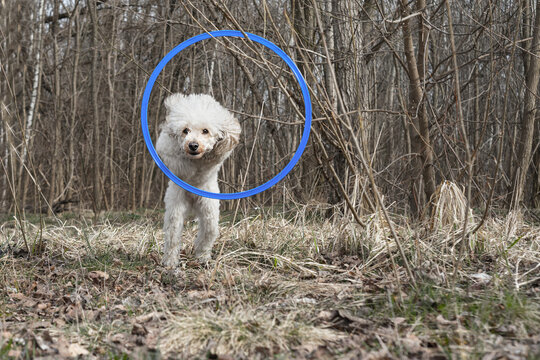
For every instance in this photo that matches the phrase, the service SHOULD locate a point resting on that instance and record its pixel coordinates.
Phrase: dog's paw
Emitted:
(169, 262)
(203, 258)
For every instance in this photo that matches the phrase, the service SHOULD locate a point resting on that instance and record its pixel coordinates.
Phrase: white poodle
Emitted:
(197, 136)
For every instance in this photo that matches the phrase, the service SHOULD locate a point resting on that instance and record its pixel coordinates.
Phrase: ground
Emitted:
(278, 287)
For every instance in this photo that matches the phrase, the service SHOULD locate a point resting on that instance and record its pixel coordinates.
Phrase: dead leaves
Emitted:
(374, 333)
(73, 350)
(343, 320)
(98, 276)
(108, 307)
(34, 342)
(154, 316)
(115, 305)
(139, 330)
(442, 321)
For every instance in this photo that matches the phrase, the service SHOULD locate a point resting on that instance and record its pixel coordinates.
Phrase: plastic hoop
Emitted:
(282, 173)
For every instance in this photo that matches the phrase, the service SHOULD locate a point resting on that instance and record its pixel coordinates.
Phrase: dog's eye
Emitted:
(186, 130)
(205, 131)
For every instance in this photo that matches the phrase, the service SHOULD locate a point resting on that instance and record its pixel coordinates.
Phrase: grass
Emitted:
(278, 287)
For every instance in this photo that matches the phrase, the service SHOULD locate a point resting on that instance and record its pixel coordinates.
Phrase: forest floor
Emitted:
(278, 287)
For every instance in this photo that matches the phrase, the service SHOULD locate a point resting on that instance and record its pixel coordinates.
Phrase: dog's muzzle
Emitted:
(193, 147)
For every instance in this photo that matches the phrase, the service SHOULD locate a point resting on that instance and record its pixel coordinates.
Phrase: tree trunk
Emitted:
(529, 113)
(34, 105)
(95, 88)
(73, 114)
(419, 127)
(57, 171)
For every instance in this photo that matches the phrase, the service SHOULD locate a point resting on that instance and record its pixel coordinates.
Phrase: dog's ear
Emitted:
(228, 138)
(221, 135)
(173, 101)
(229, 134)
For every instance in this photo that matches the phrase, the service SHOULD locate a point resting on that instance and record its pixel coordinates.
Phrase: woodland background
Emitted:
(347, 257)
(412, 93)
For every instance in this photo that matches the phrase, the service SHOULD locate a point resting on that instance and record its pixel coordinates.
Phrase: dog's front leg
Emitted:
(208, 214)
(172, 232)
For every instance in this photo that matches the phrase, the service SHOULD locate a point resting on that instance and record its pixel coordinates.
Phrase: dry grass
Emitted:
(242, 332)
(449, 205)
(280, 288)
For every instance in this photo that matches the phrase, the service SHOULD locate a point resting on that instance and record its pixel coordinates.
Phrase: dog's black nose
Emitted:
(193, 146)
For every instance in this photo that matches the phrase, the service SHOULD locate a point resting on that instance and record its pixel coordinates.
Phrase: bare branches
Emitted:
(437, 94)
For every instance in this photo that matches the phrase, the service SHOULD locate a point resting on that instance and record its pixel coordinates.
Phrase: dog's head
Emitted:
(196, 124)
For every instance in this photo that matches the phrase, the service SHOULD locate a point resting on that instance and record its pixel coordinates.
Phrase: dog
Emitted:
(197, 136)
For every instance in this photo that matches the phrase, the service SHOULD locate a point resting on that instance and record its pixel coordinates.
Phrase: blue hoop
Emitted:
(258, 189)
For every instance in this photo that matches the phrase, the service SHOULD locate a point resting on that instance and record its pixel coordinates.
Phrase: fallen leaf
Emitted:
(139, 329)
(119, 308)
(47, 336)
(77, 350)
(98, 275)
(343, 319)
(398, 320)
(118, 338)
(441, 320)
(506, 330)
(328, 315)
(71, 350)
(153, 316)
(358, 320)
(73, 313)
(29, 303)
(43, 293)
(412, 343)
(481, 277)
(41, 343)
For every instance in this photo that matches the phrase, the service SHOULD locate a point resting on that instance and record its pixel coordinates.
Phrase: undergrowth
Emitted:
(277, 287)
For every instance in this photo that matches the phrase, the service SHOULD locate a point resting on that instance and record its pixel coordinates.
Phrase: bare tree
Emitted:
(381, 74)
(97, 151)
(419, 126)
(532, 76)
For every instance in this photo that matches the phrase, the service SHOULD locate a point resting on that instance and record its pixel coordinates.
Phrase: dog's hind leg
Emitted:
(208, 214)
(172, 232)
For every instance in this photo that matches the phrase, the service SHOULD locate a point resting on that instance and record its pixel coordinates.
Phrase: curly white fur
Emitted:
(197, 136)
